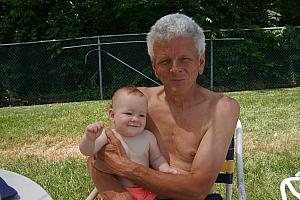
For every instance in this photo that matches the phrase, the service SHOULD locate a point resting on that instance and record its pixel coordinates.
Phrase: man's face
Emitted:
(129, 114)
(176, 63)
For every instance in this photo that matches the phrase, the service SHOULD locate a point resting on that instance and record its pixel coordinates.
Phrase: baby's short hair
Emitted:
(128, 90)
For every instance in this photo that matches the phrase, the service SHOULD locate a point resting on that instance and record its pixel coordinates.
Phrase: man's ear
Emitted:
(154, 68)
(201, 63)
(111, 115)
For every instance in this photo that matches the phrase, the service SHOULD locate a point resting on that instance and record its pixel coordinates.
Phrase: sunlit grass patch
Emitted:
(41, 142)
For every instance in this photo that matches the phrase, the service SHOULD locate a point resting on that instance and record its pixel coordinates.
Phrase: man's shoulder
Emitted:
(227, 102)
(226, 107)
(221, 104)
(151, 91)
(221, 100)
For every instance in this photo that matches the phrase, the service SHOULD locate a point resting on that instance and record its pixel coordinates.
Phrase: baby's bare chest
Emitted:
(137, 149)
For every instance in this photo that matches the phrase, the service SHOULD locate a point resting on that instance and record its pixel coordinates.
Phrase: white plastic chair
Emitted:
(288, 182)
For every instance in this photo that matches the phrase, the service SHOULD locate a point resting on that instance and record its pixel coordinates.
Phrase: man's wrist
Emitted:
(129, 168)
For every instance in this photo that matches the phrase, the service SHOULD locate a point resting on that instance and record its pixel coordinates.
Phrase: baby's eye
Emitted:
(128, 113)
(142, 115)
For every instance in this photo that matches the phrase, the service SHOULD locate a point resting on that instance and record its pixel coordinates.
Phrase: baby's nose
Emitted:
(135, 118)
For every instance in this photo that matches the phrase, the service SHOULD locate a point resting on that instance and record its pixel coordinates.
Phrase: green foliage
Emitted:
(263, 59)
(32, 20)
(289, 12)
(23, 20)
(40, 70)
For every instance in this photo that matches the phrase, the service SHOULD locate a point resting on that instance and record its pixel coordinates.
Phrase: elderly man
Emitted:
(193, 125)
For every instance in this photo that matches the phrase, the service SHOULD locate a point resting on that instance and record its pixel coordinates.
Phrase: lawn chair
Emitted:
(288, 182)
(227, 171)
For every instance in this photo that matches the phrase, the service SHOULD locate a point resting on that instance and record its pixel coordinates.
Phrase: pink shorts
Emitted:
(139, 193)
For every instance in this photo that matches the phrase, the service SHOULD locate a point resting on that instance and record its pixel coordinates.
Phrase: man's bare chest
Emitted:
(179, 135)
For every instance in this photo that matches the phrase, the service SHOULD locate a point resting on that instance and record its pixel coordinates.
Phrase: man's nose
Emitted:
(175, 67)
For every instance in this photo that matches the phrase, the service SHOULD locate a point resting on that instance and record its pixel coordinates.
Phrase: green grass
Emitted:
(41, 142)
(63, 179)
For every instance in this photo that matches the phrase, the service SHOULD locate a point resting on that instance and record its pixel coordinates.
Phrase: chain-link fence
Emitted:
(92, 68)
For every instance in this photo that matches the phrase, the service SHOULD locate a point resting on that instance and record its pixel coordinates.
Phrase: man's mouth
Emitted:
(177, 79)
(133, 125)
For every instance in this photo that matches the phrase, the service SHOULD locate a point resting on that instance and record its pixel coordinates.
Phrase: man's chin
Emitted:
(178, 89)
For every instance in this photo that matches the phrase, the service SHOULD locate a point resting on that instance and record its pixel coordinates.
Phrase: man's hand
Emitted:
(112, 158)
(116, 144)
(108, 186)
(93, 131)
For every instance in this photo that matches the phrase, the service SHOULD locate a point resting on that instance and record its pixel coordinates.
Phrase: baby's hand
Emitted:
(171, 171)
(167, 169)
(93, 131)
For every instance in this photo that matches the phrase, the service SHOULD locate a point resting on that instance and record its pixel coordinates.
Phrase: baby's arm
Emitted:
(157, 161)
(93, 140)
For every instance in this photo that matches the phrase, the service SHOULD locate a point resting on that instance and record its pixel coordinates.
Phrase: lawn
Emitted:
(41, 142)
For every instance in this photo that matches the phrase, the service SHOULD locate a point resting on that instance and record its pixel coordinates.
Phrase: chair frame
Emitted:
(240, 164)
(228, 176)
(288, 182)
(227, 171)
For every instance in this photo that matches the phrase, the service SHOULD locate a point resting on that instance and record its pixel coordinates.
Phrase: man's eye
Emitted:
(164, 62)
(185, 59)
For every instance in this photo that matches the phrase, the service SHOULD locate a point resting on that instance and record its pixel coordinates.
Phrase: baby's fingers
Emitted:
(99, 126)
(91, 128)
(95, 128)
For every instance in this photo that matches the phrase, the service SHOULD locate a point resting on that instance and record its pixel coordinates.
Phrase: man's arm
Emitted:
(209, 159)
(107, 185)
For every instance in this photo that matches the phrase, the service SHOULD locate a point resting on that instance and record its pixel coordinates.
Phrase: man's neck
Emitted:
(183, 99)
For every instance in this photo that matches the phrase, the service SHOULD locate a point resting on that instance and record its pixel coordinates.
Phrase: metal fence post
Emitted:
(100, 69)
(211, 65)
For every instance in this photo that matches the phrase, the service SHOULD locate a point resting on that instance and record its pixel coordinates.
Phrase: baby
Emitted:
(128, 118)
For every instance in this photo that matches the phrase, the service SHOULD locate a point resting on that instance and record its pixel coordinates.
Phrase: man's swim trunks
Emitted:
(139, 193)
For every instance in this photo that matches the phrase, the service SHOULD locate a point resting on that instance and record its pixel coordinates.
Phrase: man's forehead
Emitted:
(165, 43)
(178, 45)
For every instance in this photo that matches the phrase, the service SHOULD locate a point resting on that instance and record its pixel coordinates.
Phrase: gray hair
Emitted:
(175, 25)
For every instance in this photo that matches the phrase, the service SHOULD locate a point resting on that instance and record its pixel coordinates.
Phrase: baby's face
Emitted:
(129, 114)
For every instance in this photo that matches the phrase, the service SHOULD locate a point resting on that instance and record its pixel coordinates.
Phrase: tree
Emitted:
(289, 12)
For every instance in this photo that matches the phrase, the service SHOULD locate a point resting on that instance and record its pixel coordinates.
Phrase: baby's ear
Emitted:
(111, 115)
